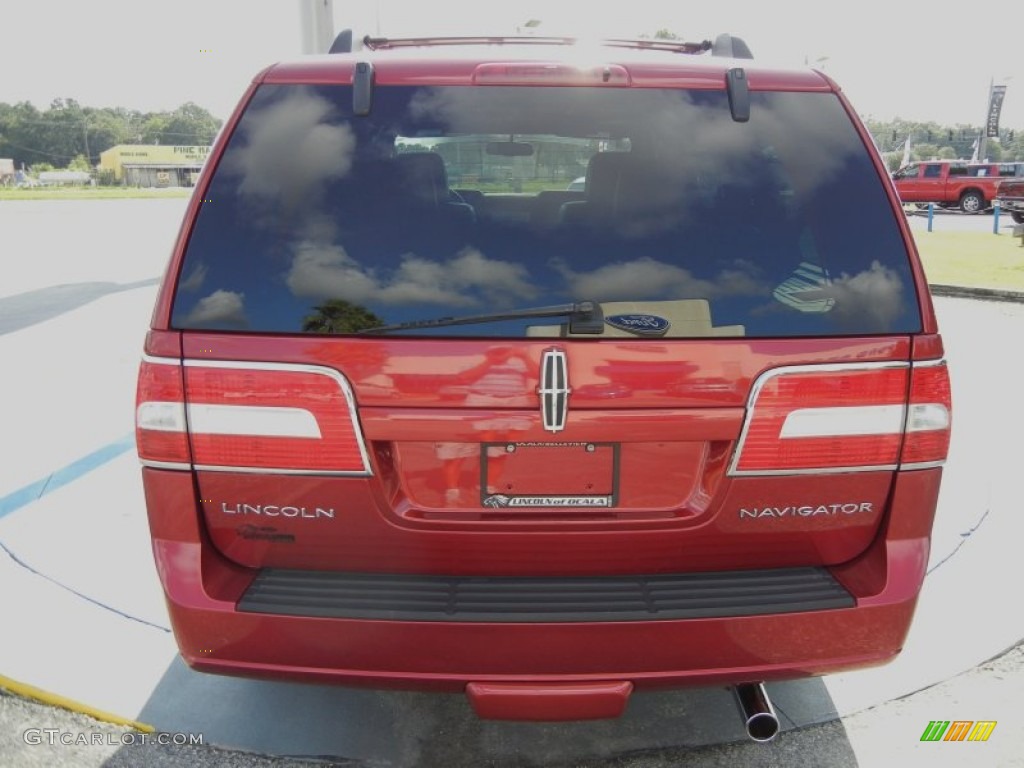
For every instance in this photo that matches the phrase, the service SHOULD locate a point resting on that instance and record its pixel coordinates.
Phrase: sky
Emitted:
(893, 59)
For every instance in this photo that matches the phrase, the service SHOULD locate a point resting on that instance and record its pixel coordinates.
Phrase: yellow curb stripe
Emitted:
(55, 700)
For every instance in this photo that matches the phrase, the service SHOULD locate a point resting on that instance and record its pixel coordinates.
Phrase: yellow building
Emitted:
(154, 165)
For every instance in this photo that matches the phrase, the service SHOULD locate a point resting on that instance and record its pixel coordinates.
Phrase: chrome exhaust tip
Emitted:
(759, 716)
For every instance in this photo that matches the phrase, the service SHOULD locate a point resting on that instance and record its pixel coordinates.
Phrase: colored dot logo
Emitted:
(958, 730)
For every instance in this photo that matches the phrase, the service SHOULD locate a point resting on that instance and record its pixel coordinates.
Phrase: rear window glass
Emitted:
(511, 212)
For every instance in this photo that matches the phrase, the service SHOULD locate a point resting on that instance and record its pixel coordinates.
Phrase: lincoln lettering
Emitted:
(850, 508)
(272, 510)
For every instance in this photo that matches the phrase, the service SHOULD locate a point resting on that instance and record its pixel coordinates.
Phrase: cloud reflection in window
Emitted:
(326, 270)
(871, 301)
(647, 278)
(873, 298)
(291, 151)
(811, 144)
(221, 310)
(194, 280)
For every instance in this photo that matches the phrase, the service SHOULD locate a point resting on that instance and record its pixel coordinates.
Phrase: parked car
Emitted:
(1010, 197)
(971, 187)
(543, 447)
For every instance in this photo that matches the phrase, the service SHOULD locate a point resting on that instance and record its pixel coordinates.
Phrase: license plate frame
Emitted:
(531, 475)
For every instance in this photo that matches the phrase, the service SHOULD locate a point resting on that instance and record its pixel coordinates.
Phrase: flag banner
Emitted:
(995, 105)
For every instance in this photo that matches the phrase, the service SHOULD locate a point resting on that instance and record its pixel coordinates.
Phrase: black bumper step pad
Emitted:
(394, 597)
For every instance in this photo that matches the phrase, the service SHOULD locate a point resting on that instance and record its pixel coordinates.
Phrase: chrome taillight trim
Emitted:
(165, 464)
(922, 465)
(160, 360)
(282, 471)
(767, 376)
(338, 378)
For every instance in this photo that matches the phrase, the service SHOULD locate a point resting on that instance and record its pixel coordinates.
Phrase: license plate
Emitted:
(549, 474)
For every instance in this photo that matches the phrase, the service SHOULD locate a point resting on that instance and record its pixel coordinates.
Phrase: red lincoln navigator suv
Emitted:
(412, 413)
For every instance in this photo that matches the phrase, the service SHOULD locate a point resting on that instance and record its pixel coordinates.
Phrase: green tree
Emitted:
(105, 128)
(80, 163)
(924, 151)
(939, 139)
(993, 151)
(66, 129)
(154, 129)
(340, 316)
(188, 124)
(1012, 144)
(63, 131)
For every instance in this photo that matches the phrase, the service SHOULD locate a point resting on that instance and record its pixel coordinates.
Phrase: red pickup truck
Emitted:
(1011, 198)
(971, 187)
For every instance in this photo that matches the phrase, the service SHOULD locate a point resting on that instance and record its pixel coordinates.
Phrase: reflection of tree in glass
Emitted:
(340, 316)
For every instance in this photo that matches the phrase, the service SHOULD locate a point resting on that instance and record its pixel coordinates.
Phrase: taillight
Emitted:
(929, 417)
(255, 416)
(160, 433)
(845, 418)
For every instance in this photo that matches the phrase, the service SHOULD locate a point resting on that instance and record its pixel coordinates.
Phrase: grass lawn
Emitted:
(972, 259)
(89, 193)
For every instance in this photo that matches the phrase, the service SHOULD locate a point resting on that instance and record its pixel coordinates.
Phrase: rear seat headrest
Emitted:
(422, 175)
(603, 176)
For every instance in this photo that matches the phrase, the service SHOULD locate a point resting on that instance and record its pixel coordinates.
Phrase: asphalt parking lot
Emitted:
(879, 736)
(84, 617)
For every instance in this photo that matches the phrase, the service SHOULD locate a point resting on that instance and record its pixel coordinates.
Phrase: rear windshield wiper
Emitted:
(584, 317)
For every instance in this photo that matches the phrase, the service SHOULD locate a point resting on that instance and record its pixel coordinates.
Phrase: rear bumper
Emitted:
(204, 589)
(214, 636)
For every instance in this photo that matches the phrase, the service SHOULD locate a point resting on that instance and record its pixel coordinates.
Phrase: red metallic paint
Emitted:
(580, 701)
(214, 637)
(371, 532)
(683, 401)
(645, 69)
(202, 588)
(928, 347)
(385, 371)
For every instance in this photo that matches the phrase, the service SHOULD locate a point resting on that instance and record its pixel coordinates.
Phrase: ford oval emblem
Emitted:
(641, 325)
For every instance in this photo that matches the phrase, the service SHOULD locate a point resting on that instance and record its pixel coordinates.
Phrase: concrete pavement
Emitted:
(885, 735)
(83, 613)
